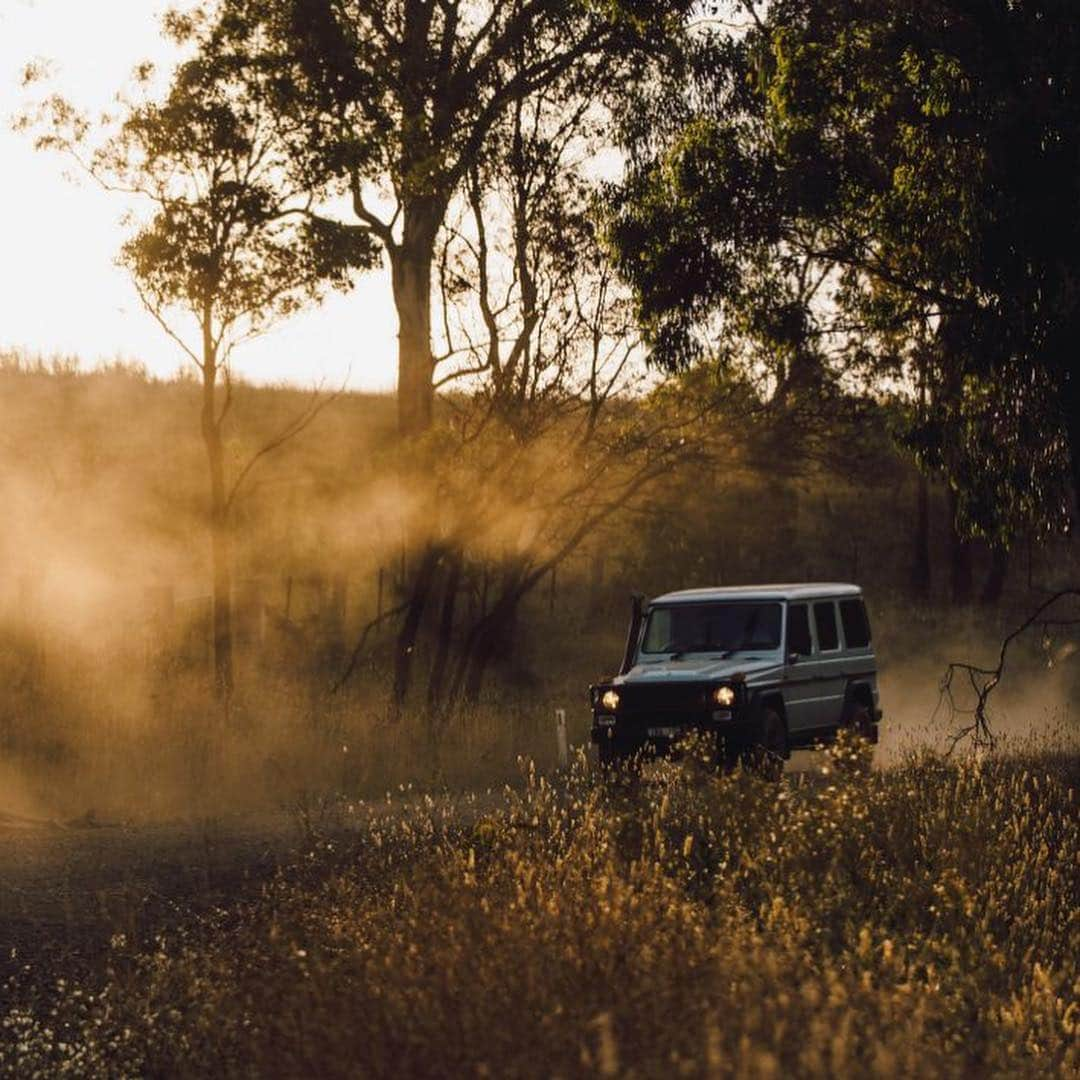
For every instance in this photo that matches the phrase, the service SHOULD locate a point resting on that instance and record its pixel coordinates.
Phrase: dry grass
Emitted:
(923, 920)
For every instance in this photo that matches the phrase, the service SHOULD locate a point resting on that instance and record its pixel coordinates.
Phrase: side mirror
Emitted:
(792, 657)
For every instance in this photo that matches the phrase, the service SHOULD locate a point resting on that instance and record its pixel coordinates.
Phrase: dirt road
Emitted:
(70, 887)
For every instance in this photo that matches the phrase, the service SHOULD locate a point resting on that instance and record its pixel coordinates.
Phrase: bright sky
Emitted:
(60, 290)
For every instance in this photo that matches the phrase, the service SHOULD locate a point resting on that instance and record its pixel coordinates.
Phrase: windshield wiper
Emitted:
(704, 647)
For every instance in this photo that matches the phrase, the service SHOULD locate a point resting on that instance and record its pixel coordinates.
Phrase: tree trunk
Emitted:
(1070, 405)
(486, 645)
(222, 605)
(920, 569)
(492, 635)
(995, 580)
(596, 586)
(410, 627)
(960, 551)
(410, 265)
(446, 633)
(220, 554)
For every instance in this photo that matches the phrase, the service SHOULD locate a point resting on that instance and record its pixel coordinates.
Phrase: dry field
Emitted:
(922, 919)
(188, 894)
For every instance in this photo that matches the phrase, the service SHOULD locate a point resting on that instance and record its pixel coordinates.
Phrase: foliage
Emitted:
(916, 167)
(229, 249)
(920, 921)
(396, 103)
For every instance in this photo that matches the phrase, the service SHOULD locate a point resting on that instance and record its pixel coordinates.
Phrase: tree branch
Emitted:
(983, 681)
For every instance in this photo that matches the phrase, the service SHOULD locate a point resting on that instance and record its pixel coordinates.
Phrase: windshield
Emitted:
(720, 627)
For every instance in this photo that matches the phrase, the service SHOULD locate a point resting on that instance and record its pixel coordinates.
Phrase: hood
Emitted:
(699, 669)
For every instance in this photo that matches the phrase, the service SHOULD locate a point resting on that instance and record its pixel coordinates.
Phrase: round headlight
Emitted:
(610, 699)
(724, 696)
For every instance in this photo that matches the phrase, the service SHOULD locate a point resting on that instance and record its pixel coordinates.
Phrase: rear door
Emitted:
(831, 681)
(858, 648)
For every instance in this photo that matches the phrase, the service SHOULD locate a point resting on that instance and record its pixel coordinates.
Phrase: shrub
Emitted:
(923, 920)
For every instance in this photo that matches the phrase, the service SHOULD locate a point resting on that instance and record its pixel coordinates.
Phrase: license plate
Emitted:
(664, 732)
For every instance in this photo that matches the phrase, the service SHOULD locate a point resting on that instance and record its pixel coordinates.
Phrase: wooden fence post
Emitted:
(561, 744)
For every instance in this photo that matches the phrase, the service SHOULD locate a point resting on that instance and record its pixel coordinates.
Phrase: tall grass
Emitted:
(922, 920)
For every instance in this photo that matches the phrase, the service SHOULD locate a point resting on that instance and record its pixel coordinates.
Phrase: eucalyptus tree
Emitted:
(221, 248)
(400, 100)
(546, 439)
(923, 155)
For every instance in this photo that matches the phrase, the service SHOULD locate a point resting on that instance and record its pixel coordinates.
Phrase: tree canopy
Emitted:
(397, 101)
(893, 189)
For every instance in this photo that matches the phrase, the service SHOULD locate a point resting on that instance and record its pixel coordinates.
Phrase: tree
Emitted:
(227, 250)
(923, 155)
(399, 100)
(706, 228)
(541, 447)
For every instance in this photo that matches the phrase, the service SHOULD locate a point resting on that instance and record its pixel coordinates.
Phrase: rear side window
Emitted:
(825, 621)
(856, 624)
(798, 630)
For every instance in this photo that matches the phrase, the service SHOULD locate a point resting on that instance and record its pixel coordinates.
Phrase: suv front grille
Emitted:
(673, 697)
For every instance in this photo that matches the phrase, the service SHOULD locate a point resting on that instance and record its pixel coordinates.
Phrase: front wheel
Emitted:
(767, 753)
(605, 754)
(610, 756)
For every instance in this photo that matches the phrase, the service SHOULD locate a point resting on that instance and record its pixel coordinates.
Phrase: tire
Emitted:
(857, 717)
(607, 755)
(766, 755)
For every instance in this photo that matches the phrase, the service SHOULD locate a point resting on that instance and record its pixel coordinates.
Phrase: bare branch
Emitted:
(155, 312)
(354, 659)
(295, 427)
(983, 681)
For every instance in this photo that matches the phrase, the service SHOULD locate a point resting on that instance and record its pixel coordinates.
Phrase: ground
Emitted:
(921, 918)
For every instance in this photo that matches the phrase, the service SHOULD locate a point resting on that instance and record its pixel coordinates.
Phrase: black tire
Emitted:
(858, 718)
(607, 755)
(770, 747)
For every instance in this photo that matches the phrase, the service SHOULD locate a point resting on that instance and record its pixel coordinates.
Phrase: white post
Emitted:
(560, 738)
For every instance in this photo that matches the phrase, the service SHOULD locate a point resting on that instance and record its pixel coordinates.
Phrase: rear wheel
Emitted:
(857, 718)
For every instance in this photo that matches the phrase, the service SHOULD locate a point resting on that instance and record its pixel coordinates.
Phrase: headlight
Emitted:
(610, 699)
(724, 696)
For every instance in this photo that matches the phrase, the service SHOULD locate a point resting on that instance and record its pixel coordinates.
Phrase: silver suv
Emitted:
(763, 669)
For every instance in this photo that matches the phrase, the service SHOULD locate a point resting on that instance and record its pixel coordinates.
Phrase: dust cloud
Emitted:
(107, 702)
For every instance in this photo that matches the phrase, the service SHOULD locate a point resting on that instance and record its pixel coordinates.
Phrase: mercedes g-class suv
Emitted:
(762, 670)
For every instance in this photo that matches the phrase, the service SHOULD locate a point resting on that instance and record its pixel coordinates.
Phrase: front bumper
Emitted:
(628, 733)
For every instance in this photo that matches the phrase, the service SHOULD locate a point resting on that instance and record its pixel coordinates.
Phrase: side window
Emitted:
(856, 625)
(657, 630)
(825, 621)
(798, 630)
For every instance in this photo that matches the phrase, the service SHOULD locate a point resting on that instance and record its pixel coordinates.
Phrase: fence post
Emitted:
(560, 738)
